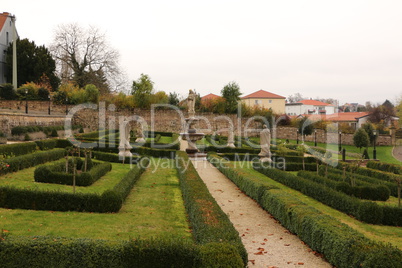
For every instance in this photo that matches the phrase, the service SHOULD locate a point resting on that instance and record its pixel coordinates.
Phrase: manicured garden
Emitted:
(154, 212)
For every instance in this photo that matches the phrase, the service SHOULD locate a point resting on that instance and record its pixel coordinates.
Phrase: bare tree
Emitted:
(295, 98)
(85, 57)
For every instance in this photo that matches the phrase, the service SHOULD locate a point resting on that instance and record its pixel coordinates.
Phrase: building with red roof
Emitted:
(309, 107)
(265, 99)
(6, 38)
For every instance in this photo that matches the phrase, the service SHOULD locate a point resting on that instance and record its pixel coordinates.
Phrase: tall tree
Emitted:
(361, 138)
(173, 99)
(231, 93)
(85, 57)
(33, 64)
(142, 91)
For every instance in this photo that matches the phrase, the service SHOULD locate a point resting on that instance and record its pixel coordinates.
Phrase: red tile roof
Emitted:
(210, 96)
(262, 94)
(3, 18)
(338, 117)
(314, 102)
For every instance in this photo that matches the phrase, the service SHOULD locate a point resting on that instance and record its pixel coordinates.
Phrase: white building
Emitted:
(6, 38)
(309, 107)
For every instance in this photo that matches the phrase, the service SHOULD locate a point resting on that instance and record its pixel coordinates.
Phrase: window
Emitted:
(257, 102)
(7, 41)
(270, 101)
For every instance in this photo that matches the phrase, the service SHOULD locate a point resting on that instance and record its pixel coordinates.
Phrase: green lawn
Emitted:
(154, 208)
(386, 234)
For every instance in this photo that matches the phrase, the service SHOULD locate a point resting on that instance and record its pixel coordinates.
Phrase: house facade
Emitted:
(7, 23)
(309, 107)
(265, 99)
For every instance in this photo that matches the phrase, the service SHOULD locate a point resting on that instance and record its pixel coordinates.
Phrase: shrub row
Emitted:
(46, 144)
(369, 192)
(115, 158)
(208, 222)
(16, 149)
(109, 201)
(341, 245)
(381, 175)
(275, 158)
(365, 211)
(162, 153)
(55, 173)
(150, 253)
(30, 160)
(70, 252)
(337, 174)
(396, 169)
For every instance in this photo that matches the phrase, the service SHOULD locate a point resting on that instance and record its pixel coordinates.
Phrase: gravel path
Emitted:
(267, 242)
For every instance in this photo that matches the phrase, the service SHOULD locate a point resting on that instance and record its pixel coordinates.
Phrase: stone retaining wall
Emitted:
(160, 120)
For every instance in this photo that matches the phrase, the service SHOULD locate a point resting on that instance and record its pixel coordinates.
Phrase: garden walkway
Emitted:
(267, 242)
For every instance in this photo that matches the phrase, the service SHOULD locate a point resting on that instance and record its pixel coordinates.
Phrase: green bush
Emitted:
(369, 192)
(46, 144)
(14, 198)
(370, 212)
(79, 252)
(55, 173)
(392, 168)
(115, 158)
(30, 160)
(17, 149)
(213, 226)
(340, 201)
(341, 245)
(219, 255)
(360, 180)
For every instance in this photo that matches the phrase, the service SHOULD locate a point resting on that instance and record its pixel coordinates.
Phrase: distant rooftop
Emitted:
(263, 94)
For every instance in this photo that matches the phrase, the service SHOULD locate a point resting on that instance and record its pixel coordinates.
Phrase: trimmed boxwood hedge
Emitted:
(392, 168)
(115, 158)
(208, 222)
(361, 180)
(17, 149)
(369, 192)
(365, 211)
(55, 173)
(46, 144)
(341, 245)
(109, 201)
(33, 159)
(70, 252)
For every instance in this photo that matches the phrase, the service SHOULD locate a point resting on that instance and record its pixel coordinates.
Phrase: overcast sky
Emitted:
(347, 50)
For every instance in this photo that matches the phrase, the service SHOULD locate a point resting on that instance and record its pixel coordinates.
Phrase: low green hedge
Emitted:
(46, 144)
(31, 160)
(55, 173)
(369, 192)
(70, 252)
(115, 158)
(109, 201)
(374, 173)
(208, 222)
(151, 253)
(360, 180)
(365, 211)
(341, 245)
(392, 168)
(17, 149)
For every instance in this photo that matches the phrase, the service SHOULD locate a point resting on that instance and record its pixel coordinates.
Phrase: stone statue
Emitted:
(265, 141)
(191, 103)
(140, 134)
(124, 146)
(231, 138)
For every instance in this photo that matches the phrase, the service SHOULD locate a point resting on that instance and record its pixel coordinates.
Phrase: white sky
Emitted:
(348, 50)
